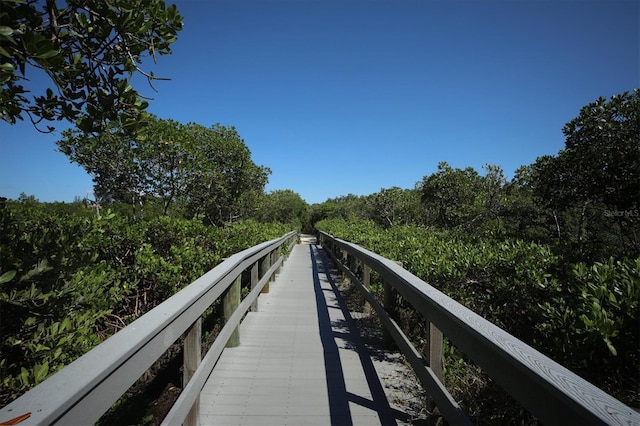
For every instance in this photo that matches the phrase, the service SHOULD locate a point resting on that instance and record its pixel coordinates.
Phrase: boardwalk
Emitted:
(301, 361)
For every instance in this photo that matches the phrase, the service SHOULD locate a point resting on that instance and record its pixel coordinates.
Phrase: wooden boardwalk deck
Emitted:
(300, 361)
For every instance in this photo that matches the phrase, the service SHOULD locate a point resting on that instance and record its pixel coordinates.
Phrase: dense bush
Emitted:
(68, 279)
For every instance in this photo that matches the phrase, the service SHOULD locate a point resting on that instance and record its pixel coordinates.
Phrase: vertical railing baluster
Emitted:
(389, 303)
(192, 355)
(274, 258)
(230, 302)
(254, 283)
(366, 282)
(434, 337)
(266, 264)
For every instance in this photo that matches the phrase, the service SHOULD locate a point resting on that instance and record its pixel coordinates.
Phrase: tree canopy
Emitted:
(591, 188)
(201, 170)
(89, 50)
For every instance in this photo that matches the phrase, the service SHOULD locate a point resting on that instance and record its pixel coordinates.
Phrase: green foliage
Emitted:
(236, 236)
(89, 50)
(394, 206)
(342, 207)
(453, 195)
(599, 311)
(601, 158)
(590, 189)
(284, 206)
(69, 279)
(190, 168)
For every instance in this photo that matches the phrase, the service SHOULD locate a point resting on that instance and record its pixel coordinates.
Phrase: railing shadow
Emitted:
(346, 330)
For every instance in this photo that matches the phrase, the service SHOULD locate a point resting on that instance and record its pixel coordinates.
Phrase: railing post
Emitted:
(366, 282)
(192, 354)
(266, 264)
(344, 259)
(230, 303)
(274, 258)
(389, 303)
(434, 339)
(254, 283)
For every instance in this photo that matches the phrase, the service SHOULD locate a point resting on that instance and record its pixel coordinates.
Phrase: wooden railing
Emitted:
(549, 391)
(84, 390)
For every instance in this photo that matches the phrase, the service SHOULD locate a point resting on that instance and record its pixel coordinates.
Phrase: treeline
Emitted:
(584, 202)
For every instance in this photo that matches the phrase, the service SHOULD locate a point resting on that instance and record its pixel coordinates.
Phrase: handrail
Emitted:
(548, 390)
(85, 389)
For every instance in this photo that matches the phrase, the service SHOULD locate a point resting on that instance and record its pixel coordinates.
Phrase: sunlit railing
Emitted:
(549, 391)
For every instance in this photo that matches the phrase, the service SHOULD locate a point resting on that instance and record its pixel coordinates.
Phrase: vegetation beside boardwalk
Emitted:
(552, 255)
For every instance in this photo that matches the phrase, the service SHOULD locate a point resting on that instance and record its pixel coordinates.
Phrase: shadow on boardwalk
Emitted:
(340, 334)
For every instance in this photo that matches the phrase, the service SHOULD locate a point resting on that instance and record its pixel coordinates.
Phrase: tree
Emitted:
(285, 206)
(223, 180)
(346, 206)
(602, 151)
(591, 186)
(89, 50)
(453, 194)
(523, 216)
(493, 186)
(206, 171)
(395, 206)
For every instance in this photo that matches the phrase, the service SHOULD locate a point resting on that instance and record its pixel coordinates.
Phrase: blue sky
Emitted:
(351, 96)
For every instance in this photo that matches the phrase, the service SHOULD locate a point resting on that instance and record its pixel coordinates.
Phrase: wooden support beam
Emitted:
(366, 282)
(231, 301)
(192, 356)
(276, 256)
(265, 265)
(254, 282)
(389, 303)
(434, 337)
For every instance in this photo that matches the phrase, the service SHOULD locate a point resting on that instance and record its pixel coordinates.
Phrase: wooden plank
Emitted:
(293, 366)
(264, 267)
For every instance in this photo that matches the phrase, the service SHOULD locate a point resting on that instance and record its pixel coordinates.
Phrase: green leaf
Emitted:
(65, 324)
(6, 67)
(5, 31)
(40, 348)
(48, 54)
(7, 276)
(24, 376)
(40, 371)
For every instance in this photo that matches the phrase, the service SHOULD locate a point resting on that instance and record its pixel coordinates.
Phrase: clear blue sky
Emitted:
(352, 96)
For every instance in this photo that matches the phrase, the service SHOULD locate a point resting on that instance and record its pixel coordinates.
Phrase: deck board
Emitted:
(299, 361)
